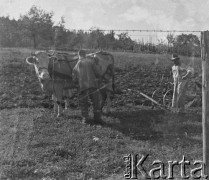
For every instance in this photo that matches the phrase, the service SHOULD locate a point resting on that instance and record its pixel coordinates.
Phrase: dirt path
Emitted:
(16, 126)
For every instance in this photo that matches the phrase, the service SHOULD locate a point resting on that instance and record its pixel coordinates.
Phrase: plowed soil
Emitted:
(34, 144)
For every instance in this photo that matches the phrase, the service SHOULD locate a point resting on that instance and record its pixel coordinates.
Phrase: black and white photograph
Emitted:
(104, 89)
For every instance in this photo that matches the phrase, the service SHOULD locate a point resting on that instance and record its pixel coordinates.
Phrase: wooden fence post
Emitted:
(205, 97)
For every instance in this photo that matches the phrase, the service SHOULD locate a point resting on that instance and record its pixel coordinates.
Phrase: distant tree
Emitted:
(71, 39)
(60, 34)
(79, 39)
(125, 42)
(187, 44)
(96, 38)
(38, 24)
(171, 39)
(110, 40)
(9, 32)
(4, 31)
(161, 46)
(101, 40)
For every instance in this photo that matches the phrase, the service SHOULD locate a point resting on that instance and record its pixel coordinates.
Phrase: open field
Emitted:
(36, 145)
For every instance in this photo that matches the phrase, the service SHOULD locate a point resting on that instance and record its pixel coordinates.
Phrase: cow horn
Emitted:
(75, 58)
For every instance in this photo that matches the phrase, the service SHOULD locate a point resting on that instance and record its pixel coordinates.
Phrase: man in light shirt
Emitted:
(180, 81)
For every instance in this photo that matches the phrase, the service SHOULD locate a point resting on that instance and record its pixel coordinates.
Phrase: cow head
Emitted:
(105, 62)
(40, 60)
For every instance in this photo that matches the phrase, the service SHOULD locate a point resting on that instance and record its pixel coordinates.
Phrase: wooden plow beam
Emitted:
(160, 105)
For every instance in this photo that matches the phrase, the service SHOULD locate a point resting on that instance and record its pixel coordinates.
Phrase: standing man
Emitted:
(180, 81)
(87, 75)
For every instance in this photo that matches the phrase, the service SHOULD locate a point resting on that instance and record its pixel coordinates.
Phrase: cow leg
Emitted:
(108, 102)
(57, 106)
(55, 103)
(60, 109)
(102, 98)
(65, 96)
(59, 93)
(105, 97)
(66, 103)
(59, 103)
(69, 94)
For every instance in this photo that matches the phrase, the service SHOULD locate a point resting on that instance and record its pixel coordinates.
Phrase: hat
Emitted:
(174, 57)
(82, 53)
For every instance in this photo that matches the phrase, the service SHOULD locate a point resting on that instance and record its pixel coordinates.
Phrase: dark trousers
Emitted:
(94, 96)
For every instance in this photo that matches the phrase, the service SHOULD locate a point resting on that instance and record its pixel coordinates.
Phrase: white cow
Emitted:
(54, 72)
(54, 75)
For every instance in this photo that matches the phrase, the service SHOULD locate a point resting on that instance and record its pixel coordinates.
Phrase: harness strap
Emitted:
(61, 75)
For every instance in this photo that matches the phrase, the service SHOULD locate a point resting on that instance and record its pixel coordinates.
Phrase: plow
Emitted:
(161, 106)
(166, 100)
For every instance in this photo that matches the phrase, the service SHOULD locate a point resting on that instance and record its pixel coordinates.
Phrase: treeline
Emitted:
(37, 29)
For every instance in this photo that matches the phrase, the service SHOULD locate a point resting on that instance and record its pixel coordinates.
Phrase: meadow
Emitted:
(34, 144)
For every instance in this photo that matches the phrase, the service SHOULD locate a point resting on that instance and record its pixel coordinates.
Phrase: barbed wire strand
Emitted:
(134, 30)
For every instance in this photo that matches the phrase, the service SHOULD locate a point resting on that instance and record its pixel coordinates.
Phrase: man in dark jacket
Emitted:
(87, 74)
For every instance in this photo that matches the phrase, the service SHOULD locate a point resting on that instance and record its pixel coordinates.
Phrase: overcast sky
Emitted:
(119, 14)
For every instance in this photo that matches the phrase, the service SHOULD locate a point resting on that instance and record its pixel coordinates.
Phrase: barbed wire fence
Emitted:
(147, 41)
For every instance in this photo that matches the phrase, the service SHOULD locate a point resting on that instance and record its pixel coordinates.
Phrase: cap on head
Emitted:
(82, 53)
(174, 57)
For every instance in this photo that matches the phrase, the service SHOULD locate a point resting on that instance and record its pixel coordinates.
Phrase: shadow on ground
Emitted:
(156, 125)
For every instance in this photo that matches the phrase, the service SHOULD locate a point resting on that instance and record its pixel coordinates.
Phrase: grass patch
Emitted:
(62, 148)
